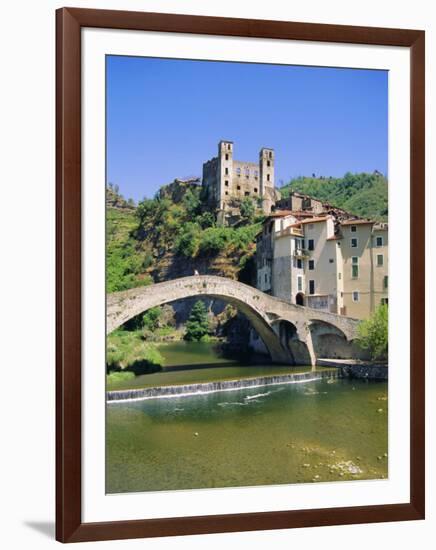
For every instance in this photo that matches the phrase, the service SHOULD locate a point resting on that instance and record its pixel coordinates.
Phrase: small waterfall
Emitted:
(218, 386)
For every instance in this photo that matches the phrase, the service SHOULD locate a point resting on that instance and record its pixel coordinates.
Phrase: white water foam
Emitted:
(216, 390)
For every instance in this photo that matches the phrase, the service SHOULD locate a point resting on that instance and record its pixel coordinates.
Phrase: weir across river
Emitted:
(292, 334)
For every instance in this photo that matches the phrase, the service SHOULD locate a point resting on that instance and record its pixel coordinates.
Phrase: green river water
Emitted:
(317, 431)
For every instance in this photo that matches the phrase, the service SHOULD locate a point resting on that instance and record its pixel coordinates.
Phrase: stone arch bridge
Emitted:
(292, 334)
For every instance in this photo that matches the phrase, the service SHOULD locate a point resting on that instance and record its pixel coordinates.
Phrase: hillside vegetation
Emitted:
(126, 263)
(364, 195)
(173, 235)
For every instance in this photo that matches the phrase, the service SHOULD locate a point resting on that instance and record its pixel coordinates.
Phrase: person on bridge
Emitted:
(196, 272)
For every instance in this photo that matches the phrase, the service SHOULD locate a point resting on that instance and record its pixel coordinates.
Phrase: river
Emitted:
(321, 430)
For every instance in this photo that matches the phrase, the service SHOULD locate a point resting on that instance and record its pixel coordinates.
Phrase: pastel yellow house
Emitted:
(364, 247)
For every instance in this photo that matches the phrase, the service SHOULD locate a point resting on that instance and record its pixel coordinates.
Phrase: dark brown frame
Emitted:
(69, 526)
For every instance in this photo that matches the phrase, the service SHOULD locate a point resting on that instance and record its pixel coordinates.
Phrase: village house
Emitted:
(324, 259)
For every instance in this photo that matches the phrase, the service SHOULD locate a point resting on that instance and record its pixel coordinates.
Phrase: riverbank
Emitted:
(355, 369)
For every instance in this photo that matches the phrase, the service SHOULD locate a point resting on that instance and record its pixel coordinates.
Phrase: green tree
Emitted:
(150, 319)
(197, 326)
(191, 202)
(248, 209)
(188, 240)
(206, 219)
(215, 239)
(373, 333)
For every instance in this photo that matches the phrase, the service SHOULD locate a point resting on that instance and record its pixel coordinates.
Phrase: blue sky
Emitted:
(165, 118)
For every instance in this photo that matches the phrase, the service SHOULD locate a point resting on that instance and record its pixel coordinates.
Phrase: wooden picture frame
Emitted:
(69, 526)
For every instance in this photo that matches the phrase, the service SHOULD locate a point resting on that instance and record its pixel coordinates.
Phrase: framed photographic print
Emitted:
(240, 274)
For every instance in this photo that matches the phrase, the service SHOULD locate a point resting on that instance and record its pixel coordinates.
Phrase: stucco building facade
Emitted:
(324, 262)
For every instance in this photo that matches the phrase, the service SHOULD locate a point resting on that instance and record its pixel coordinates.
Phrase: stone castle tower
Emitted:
(227, 181)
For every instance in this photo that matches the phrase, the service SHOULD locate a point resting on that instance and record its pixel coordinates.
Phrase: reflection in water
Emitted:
(198, 362)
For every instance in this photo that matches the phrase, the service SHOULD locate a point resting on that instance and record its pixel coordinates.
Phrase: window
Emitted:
(384, 301)
(227, 192)
(255, 189)
(339, 276)
(331, 260)
(238, 171)
(379, 241)
(229, 146)
(270, 155)
(311, 264)
(266, 277)
(356, 296)
(227, 156)
(354, 242)
(268, 163)
(380, 260)
(299, 264)
(354, 267)
(226, 183)
(311, 244)
(311, 286)
(247, 193)
(300, 283)
(227, 170)
(238, 187)
(385, 281)
(267, 177)
(353, 229)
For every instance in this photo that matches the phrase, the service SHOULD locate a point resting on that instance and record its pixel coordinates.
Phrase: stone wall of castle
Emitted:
(226, 181)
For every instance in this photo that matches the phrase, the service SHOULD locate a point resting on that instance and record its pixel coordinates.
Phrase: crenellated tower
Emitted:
(267, 188)
(225, 172)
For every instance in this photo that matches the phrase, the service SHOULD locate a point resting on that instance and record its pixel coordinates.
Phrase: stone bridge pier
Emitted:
(291, 334)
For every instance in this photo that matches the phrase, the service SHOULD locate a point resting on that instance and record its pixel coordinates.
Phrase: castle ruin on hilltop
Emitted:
(227, 181)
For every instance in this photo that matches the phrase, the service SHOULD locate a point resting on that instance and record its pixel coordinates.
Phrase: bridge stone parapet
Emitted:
(265, 312)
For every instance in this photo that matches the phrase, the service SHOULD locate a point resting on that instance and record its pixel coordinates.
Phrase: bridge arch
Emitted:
(329, 340)
(122, 306)
(265, 313)
(292, 341)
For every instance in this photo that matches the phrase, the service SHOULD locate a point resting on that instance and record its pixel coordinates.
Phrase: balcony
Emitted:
(301, 253)
(290, 232)
(297, 231)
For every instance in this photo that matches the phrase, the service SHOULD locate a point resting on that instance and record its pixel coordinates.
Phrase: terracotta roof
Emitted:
(304, 213)
(315, 220)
